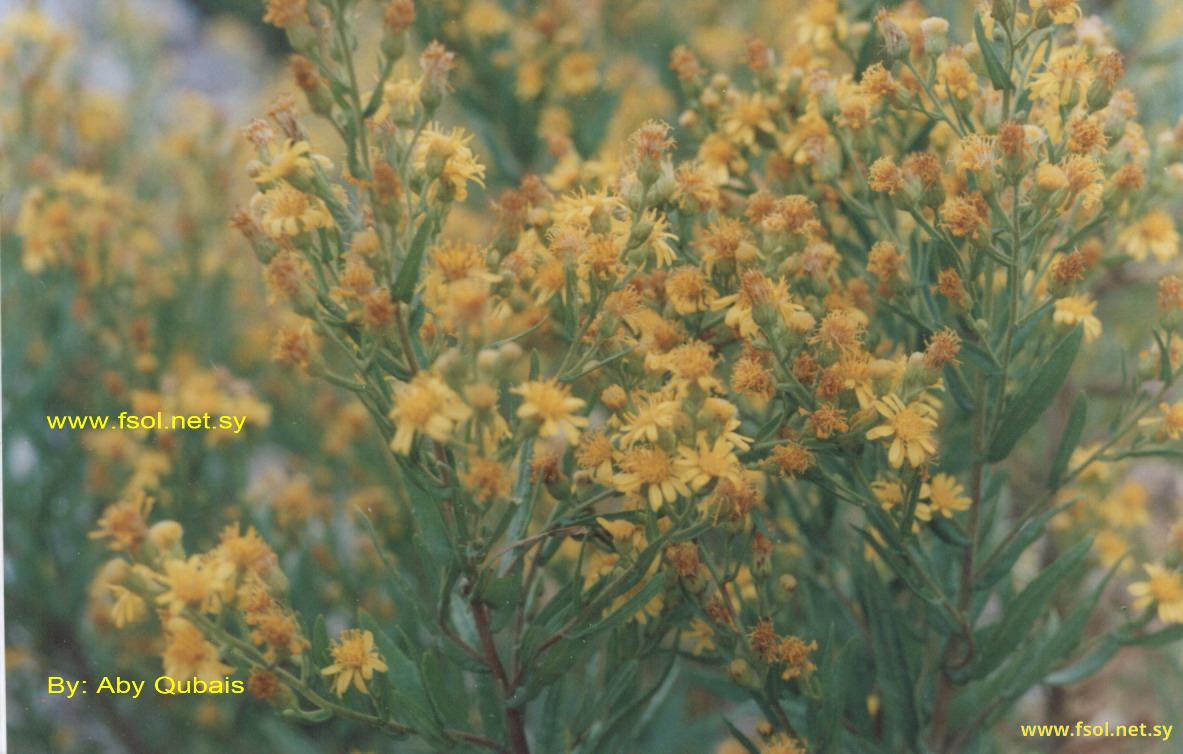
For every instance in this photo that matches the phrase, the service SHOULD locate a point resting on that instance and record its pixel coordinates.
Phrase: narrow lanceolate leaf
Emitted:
(320, 642)
(827, 725)
(633, 605)
(1086, 665)
(1025, 408)
(1072, 630)
(743, 740)
(403, 683)
(1003, 559)
(884, 624)
(426, 510)
(1069, 440)
(1164, 357)
(994, 67)
(996, 641)
(1064, 641)
(408, 276)
(1157, 638)
(958, 389)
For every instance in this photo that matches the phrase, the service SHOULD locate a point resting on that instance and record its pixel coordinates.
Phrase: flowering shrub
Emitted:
(789, 392)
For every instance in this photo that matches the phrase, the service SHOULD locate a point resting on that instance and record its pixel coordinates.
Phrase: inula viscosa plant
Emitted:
(797, 395)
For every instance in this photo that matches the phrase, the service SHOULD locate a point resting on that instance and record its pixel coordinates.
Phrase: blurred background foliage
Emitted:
(210, 329)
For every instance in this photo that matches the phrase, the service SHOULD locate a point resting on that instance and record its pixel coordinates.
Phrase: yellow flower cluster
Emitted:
(658, 398)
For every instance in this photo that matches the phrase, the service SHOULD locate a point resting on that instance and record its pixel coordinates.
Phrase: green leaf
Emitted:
(998, 640)
(1164, 356)
(945, 529)
(408, 276)
(555, 663)
(1030, 323)
(1069, 440)
(622, 680)
(998, 74)
(901, 568)
(826, 728)
(1158, 638)
(320, 642)
(425, 508)
(1065, 639)
(445, 690)
(1085, 666)
(599, 364)
(1003, 559)
(738, 735)
(980, 358)
(306, 716)
(408, 696)
(884, 624)
(1025, 408)
(958, 389)
(631, 606)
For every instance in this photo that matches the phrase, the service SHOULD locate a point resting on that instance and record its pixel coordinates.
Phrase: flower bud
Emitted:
(1003, 10)
(301, 36)
(895, 41)
(786, 587)
(935, 32)
(741, 672)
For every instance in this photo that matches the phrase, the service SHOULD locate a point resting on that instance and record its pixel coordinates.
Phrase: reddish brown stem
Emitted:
(515, 719)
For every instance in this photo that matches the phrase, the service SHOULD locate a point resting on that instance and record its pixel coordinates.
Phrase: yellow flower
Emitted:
(129, 607)
(710, 462)
(652, 473)
(748, 114)
(654, 413)
(1110, 547)
(553, 406)
(1071, 310)
(1155, 234)
(1170, 424)
(447, 156)
(426, 405)
(889, 494)
(700, 636)
(1126, 507)
(720, 157)
(955, 76)
(945, 495)
(197, 583)
(485, 18)
(624, 531)
(594, 455)
(1062, 11)
(285, 211)
(1165, 589)
(1066, 75)
(782, 743)
(689, 291)
(285, 159)
(910, 428)
(283, 13)
(355, 660)
(124, 522)
(577, 73)
(658, 241)
(187, 654)
(486, 479)
(692, 364)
